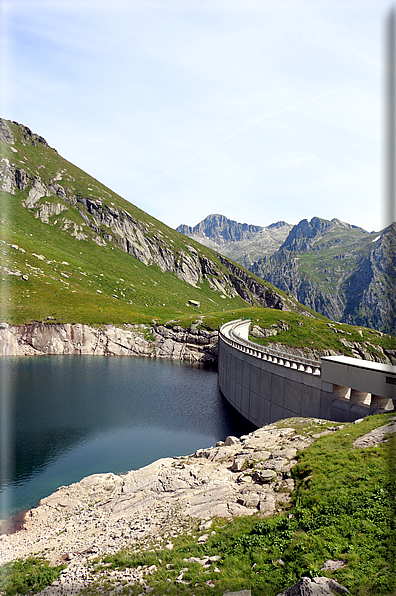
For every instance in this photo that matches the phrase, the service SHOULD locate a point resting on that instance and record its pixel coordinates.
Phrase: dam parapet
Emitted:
(265, 385)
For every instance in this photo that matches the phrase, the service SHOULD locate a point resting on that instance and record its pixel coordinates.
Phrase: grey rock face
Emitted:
(37, 192)
(41, 339)
(47, 210)
(318, 586)
(5, 133)
(244, 243)
(7, 176)
(22, 179)
(250, 289)
(347, 275)
(375, 436)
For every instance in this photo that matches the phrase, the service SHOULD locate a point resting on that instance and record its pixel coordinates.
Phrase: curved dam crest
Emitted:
(265, 385)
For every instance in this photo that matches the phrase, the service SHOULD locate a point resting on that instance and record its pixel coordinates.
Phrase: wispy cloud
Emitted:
(263, 117)
(182, 107)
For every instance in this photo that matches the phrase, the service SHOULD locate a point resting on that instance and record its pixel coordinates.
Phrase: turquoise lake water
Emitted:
(66, 417)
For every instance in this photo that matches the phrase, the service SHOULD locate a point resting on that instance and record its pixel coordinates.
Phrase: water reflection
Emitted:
(73, 416)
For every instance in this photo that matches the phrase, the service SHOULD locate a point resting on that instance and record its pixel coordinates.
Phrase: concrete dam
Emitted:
(265, 385)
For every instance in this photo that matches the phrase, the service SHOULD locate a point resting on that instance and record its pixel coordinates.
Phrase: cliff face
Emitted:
(338, 270)
(38, 339)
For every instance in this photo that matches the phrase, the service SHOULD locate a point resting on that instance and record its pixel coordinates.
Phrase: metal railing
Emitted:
(228, 333)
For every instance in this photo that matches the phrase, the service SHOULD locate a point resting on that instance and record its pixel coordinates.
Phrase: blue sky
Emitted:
(258, 110)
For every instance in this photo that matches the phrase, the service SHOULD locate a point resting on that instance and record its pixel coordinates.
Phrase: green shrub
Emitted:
(27, 577)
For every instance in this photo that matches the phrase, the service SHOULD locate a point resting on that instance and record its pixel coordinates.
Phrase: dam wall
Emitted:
(265, 385)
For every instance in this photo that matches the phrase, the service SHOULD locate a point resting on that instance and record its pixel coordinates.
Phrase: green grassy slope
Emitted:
(341, 509)
(339, 270)
(78, 280)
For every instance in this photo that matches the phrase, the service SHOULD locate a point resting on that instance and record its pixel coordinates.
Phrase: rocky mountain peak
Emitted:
(219, 229)
(242, 242)
(302, 234)
(277, 225)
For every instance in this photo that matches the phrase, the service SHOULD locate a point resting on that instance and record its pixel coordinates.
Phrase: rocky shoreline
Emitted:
(194, 345)
(159, 341)
(148, 508)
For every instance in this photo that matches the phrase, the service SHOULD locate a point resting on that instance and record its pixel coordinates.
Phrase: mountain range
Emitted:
(243, 243)
(335, 268)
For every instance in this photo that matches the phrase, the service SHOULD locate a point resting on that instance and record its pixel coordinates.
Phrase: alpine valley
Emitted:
(84, 271)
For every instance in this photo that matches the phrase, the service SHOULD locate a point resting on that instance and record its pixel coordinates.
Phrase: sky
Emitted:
(258, 110)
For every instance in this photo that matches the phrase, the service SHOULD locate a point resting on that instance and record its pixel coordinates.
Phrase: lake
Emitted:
(65, 417)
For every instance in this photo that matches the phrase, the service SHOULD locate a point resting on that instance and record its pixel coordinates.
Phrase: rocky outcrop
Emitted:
(192, 345)
(7, 176)
(106, 512)
(47, 210)
(5, 133)
(252, 290)
(317, 586)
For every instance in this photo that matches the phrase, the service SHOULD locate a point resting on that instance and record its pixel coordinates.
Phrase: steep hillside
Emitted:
(338, 270)
(74, 251)
(244, 243)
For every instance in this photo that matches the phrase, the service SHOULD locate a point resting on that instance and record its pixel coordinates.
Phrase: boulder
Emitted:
(318, 586)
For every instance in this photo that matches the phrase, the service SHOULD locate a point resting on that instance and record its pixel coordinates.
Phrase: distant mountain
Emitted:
(338, 270)
(242, 242)
(335, 268)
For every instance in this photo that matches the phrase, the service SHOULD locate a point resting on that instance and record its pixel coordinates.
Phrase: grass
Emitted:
(52, 277)
(340, 510)
(27, 577)
(77, 280)
(318, 334)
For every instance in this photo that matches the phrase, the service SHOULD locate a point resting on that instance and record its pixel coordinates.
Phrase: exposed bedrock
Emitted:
(193, 345)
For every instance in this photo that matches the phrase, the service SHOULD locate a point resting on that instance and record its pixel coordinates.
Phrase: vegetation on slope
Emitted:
(341, 510)
(81, 253)
(317, 336)
(339, 270)
(27, 577)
